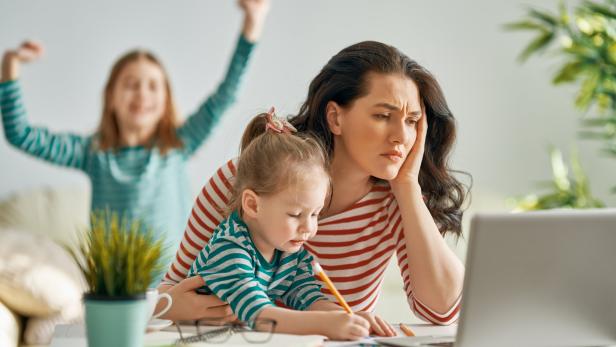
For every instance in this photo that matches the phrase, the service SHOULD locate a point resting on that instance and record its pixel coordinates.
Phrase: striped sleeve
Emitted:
(61, 149)
(420, 309)
(228, 270)
(305, 289)
(199, 125)
(204, 218)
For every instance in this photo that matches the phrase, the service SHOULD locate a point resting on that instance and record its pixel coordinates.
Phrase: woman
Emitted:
(388, 131)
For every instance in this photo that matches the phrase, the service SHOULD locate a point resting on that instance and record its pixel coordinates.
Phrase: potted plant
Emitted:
(119, 260)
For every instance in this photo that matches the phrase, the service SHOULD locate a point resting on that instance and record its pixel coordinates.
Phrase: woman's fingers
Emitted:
(189, 305)
(219, 311)
(386, 327)
(376, 326)
(189, 284)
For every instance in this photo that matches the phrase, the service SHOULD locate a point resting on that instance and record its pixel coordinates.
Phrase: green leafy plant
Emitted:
(117, 257)
(567, 191)
(586, 40)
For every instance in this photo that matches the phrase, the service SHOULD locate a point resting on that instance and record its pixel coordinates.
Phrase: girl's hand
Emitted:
(378, 326)
(188, 305)
(27, 52)
(339, 325)
(409, 172)
(255, 12)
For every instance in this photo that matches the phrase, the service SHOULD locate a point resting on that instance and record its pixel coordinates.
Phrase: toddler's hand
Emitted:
(340, 325)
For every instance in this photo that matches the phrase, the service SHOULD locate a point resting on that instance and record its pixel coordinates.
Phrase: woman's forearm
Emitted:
(437, 273)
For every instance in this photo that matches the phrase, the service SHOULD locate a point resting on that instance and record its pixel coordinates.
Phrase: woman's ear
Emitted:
(250, 203)
(334, 119)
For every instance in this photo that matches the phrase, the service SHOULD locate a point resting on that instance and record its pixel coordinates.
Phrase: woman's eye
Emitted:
(411, 121)
(381, 116)
(294, 215)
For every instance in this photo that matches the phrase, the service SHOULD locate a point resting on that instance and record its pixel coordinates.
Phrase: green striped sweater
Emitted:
(235, 271)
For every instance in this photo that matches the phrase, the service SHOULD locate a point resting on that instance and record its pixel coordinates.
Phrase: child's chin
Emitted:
(291, 249)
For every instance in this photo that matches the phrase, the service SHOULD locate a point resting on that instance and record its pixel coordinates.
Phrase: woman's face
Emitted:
(377, 131)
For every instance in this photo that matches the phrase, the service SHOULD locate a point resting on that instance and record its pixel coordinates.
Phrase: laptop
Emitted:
(544, 278)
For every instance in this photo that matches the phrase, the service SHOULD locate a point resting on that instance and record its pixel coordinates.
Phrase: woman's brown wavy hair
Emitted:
(343, 80)
(165, 137)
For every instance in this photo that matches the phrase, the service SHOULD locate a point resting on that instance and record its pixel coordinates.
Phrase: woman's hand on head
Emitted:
(25, 53)
(255, 12)
(188, 305)
(409, 172)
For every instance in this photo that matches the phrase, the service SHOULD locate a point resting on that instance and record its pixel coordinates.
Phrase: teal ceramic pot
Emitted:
(115, 321)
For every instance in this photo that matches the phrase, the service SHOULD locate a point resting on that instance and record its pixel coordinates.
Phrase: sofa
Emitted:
(40, 284)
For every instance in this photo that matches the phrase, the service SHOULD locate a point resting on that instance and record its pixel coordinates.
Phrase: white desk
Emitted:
(74, 336)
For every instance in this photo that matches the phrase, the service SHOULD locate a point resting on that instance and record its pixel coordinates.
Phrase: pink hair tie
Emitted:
(277, 124)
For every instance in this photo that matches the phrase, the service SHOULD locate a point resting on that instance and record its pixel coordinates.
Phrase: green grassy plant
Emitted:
(117, 257)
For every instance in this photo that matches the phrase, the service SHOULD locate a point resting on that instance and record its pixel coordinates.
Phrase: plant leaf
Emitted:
(537, 45)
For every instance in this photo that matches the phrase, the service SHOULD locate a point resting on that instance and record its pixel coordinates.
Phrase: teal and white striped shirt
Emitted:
(236, 272)
(136, 182)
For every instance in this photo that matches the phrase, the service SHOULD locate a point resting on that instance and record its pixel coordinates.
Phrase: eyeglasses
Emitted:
(217, 332)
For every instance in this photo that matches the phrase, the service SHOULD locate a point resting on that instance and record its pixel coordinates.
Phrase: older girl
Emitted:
(136, 161)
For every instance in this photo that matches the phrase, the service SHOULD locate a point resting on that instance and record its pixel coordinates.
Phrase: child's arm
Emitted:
(227, 268)
(199, 125)
(62, 149)
(378, 325)
(337, 325)
(305, 291)
(324, 305)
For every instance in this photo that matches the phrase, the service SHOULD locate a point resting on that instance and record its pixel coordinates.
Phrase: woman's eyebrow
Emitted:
(414, 114)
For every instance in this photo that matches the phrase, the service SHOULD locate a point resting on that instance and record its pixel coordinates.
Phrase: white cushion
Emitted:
(10, 326)
(37, 276)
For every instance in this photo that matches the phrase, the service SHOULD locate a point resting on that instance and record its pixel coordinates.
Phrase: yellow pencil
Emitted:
(318, 271)
(406, 330)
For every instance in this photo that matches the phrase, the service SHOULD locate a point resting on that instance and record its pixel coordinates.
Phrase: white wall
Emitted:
(507, 113)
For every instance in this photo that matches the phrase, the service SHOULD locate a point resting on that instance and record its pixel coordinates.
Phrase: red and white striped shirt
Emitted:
(354, 246)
